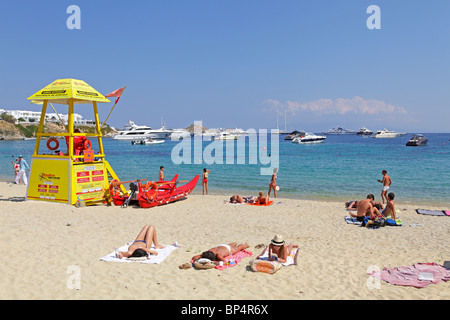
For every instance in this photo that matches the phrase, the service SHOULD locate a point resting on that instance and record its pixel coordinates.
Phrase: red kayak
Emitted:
(150, 196)
(120, 199)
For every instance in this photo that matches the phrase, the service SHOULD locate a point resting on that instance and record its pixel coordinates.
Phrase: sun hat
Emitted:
(277, 240)
(20, 156)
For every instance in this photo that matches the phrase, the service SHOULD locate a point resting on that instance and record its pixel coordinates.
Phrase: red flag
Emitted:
(117, 93)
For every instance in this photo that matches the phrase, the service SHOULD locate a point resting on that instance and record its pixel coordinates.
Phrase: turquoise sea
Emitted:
(344, 167)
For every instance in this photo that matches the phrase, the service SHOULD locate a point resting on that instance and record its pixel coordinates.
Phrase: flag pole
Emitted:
(111, 109)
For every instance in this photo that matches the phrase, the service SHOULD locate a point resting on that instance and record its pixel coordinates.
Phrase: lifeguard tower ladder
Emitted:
(73, 177)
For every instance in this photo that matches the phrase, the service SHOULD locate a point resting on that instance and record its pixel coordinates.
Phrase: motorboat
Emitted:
(309, 138)
(225, 136)
(363, 131)
(417, 140)
(294, 134)
(340, 130)
(147, 141)
(135, 132)
(386, 134)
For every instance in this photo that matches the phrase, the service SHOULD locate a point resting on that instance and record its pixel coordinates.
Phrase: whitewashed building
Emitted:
(35, 116)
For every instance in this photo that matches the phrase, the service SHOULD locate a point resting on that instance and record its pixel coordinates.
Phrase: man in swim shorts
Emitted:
(387, 181)
(366, 208)
(219, 253)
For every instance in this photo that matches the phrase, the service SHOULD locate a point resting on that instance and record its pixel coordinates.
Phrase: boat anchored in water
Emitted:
(135, 132)
(225, 136)
(147, 141)
(417, 140)
(380, 134)
(309, 138)
(363, 131)
(340, 130)
(294, 134)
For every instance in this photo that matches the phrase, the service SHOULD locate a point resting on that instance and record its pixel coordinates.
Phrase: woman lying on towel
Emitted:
(141, 246)
(278, 249)
(219, 253)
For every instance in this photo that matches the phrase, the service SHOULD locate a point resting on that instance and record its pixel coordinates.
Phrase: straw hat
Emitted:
(277, 240)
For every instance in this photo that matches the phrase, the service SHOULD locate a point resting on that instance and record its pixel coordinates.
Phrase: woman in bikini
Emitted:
(205, 180)
(273, 183)
(141, 246)
(278, 247)
(219, 253)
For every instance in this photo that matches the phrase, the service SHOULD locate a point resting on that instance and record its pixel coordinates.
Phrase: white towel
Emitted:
(291, 259)
(162, 254)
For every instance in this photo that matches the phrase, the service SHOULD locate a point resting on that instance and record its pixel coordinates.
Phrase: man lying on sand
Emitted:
(219, 253)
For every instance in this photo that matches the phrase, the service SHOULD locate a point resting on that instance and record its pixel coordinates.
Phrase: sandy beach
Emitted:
(42, 243)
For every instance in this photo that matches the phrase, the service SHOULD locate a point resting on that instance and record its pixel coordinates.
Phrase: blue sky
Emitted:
(234, 63)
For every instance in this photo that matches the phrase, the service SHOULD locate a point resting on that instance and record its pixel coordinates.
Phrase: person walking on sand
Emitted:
(22, 173)
(387, 181)
(161, 173)
(141, 246)
(205, 180)
(273, 183)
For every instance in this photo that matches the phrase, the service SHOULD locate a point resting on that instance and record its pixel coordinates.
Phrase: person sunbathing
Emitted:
(141, 246)
(389, 211)
(262, 199)
(219, 253)
(237, 199)
(278, 251)
(365, 208)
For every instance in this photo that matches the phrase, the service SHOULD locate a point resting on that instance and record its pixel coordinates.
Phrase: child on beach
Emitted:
(161, 173)
(205, 180)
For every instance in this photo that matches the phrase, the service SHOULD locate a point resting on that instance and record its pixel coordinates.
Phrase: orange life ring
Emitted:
(50, 141)
(86, 143)
(151, 186)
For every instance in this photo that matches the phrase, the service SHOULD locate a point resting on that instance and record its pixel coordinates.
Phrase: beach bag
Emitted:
(379, 222)
(392, 222)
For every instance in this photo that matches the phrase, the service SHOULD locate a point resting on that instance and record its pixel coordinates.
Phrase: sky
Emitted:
(231, 63)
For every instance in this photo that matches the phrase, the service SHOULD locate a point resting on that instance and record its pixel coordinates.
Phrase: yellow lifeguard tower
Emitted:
(74, 176)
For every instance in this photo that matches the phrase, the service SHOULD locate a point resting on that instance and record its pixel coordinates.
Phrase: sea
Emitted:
(342, 168)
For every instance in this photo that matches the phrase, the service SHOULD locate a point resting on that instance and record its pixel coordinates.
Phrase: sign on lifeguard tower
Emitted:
(68, 169)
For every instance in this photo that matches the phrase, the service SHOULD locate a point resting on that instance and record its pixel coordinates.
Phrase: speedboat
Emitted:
(309, 138)
(387, 134)
(340, 130)
(294, 134)
(147, 141)
(417, 140)
(134, 132)
(363, 131)
(225, 136)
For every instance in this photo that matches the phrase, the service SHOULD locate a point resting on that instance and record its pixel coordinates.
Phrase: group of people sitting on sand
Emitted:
(262, 198)
(147, 239)
(369, 208)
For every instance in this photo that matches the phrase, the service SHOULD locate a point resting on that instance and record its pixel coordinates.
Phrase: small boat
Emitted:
(171, 193)
(309, 138)
(363, 131)
(225, 136)
(147, 141)
(294, 134)
(387, 134)
(417, 140)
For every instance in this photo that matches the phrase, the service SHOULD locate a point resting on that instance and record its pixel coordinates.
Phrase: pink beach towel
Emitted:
(409, 275)
(237, 258)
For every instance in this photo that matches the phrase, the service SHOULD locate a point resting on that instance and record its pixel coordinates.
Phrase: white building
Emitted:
(35, 116)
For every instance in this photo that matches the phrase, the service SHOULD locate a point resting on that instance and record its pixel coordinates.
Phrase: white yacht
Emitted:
(380, 134)
(135, 132)
(179, 134)
(147, 141)
(225, 136)
(309, 138)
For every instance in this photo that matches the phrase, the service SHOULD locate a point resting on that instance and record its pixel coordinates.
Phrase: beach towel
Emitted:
(162, 255)
(291, 259)
(433, 212)
(418, 275)
(237, 257)
(352, 220)
(262, 205)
